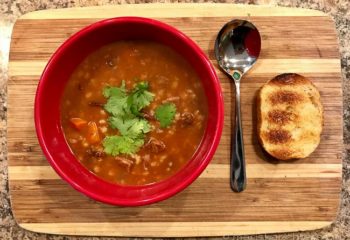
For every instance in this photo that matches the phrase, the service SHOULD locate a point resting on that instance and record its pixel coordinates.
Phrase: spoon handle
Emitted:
(238, 174)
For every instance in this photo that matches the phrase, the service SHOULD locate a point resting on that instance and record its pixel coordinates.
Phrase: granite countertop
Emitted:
(10, 10)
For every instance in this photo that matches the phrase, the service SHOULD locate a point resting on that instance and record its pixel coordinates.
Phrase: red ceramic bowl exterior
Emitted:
(53, 81)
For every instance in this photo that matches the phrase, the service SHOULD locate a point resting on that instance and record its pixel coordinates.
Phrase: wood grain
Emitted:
(281, 196)
(171, 10)
(176, 229)
(216, 171)
(266, 199)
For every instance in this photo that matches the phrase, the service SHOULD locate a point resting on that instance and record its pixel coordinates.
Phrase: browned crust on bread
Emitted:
(289, 79)
(280, 117)
(278, 136)
(284, 96)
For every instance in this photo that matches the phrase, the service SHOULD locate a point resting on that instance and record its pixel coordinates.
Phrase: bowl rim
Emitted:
(209, 151)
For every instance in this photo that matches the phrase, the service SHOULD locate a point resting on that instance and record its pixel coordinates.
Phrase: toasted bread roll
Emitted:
(290, 116)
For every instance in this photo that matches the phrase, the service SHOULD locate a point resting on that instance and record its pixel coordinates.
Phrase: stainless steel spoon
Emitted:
(237, 47)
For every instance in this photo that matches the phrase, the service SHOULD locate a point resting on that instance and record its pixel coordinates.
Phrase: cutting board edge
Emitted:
(201, 230)
(227, 8)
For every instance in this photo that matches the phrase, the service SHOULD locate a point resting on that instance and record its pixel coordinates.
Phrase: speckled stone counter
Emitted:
(10, 10)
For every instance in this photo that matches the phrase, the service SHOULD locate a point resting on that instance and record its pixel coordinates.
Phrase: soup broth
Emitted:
(173, 120)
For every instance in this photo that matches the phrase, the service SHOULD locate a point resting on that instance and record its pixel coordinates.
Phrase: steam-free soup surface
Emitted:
(173, 119)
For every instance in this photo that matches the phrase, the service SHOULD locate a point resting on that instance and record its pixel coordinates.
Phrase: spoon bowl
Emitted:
(237, 48)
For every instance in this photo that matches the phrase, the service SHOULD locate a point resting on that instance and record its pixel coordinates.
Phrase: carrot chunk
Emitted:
(92, 133)
(78, 123)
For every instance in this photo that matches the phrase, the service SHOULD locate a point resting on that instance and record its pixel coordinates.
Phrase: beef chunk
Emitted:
(155, 145)
(124, 162)
(97, 152)
(186, 119)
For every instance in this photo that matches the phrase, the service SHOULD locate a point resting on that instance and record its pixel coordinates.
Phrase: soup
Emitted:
(134, 112)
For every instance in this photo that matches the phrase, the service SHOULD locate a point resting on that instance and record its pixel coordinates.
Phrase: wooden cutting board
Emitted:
(280, 197)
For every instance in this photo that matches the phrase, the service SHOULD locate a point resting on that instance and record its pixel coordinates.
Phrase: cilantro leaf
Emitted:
(116, 106)
(120, 103)
(139, 98)
(165, 114)
(115, 91)
(132, 127)
(117, 100)
(115, 145)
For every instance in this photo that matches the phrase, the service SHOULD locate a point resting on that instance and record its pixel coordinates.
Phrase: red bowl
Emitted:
(53, 81)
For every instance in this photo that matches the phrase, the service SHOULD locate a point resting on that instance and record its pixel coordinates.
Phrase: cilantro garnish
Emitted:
(117, 100)
(139, 98)
(115, 145)
(165, 114)
(132, 127)
(115, 91)
(124, 109)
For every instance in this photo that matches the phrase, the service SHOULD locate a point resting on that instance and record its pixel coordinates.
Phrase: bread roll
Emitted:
(290, 116)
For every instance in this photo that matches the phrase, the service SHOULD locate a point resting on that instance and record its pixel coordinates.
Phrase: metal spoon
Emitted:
(237, 47)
